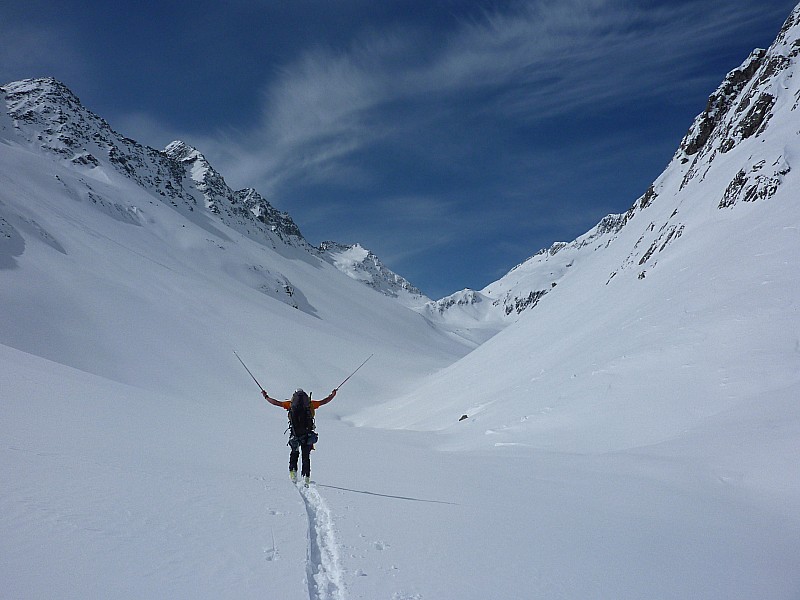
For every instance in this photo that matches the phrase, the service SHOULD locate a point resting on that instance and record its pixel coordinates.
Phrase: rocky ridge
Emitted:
(362, 265)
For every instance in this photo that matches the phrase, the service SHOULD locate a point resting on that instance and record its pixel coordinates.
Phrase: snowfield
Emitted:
(114, 491)
(616, 418)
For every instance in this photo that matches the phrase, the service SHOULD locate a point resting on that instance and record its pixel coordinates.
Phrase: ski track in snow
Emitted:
(324, 572)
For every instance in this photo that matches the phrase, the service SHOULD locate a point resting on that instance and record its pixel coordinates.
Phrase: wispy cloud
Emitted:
(349, 135)
(537, 61)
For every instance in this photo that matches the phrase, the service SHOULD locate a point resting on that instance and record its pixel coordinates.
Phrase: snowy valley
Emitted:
(616, 417)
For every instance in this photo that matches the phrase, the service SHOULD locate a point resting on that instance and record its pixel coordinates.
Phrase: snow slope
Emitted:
(671, 338)
(631, 433)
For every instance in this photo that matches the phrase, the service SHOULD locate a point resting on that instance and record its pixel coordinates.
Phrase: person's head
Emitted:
(299, 394)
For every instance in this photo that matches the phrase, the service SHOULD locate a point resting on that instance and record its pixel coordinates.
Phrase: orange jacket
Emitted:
(315, 404)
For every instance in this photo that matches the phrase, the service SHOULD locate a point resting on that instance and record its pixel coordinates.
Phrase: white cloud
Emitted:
(539, 61)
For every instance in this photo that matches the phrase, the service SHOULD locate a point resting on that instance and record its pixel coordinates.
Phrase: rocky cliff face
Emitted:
(743, 108)
(244, 210)
(279, 222)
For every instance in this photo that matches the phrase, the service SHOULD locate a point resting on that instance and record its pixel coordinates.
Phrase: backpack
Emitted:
(301, 420)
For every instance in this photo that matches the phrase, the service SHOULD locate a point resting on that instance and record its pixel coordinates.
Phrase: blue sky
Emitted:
(452, 138)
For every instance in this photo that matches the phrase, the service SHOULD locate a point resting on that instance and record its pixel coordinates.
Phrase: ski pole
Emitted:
(354, 372)
(248, 370)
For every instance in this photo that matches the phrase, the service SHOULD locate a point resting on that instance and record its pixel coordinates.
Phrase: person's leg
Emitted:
(306, 460)
(293, 456)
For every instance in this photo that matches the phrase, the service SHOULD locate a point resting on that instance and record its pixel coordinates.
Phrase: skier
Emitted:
(302, 436)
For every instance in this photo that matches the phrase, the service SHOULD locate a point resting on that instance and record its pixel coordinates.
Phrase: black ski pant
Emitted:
(295, 454)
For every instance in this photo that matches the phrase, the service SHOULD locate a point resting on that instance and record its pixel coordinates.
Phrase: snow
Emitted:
(119, 492)
(347, 259)
(634, 434)
(360, 264)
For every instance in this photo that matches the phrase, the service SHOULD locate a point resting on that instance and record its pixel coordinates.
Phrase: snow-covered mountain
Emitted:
(627, 426)
(362, 265)
(47, 115)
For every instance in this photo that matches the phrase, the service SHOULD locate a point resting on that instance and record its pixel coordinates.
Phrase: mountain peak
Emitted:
(719, 104)
(361, 264)
(208, 180)
(737, 151)
(742, 106)
(279, 222)
(181, 151)
(46, 110)
(40, 88)
(788, 39)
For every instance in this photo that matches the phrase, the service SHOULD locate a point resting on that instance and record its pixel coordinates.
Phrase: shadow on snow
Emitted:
(333, 487)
